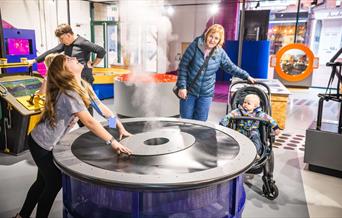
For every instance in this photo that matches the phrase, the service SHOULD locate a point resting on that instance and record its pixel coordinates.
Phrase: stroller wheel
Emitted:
(272, 192)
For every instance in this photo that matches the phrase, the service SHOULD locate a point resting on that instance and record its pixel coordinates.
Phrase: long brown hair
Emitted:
(60, 79)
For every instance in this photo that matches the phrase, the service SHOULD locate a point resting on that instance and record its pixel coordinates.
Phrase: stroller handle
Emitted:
(249, 83)
(264, 121)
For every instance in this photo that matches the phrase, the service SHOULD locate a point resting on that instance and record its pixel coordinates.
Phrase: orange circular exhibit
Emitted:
(148, 78)
(294, 62)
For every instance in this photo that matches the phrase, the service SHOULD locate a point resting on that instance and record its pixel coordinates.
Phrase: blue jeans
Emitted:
(196, 108)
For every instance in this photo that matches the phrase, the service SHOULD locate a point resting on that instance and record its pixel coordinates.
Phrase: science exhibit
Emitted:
(170, 109)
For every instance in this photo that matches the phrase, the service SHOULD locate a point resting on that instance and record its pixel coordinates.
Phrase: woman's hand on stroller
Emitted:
(251, 79)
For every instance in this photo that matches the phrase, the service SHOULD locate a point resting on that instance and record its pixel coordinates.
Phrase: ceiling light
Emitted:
(170, 11)
(214, 9)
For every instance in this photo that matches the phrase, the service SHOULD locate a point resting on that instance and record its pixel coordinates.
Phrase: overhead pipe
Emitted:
(68, 11)
(57, 12)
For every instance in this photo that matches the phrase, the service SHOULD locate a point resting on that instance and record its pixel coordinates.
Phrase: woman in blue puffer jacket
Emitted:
(195, 103)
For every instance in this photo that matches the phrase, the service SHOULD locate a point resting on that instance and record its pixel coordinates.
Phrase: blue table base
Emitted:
(85, 199)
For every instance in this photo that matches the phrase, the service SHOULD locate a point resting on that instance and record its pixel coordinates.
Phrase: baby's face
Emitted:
(249, 105)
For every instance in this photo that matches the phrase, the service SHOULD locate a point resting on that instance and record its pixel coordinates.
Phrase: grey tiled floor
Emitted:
(302, 193)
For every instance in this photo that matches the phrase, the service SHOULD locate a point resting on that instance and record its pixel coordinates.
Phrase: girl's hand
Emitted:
(123, 133)
(119, 148)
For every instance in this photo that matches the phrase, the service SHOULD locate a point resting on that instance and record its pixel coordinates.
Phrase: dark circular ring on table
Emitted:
(132, 178)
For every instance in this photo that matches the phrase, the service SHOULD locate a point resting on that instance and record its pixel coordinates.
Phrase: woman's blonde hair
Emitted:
(48, 59)
(216, 28)
(60, 80)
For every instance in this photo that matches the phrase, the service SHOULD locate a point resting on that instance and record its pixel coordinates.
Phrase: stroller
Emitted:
(265, 163)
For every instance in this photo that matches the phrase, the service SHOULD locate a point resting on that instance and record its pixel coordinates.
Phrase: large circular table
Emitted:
(179, 168)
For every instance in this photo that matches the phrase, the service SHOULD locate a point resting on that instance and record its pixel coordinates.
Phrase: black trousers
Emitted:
(47, 185)
(87, 74)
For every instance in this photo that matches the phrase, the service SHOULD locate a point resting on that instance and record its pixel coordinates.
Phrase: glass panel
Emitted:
(112, 44)
(282, 34)
(151, 52)
(327, 35)
(25, 87)
(142, 47)
(294, 62)
(99, 40)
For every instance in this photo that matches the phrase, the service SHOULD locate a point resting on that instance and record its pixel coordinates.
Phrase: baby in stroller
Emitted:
(250, 128)
(251, 115)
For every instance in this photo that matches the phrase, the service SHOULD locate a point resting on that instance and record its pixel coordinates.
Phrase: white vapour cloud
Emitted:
(146, 32)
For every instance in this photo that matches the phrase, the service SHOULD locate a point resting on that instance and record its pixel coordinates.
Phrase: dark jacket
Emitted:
(80, 48)
(246, 126)
(193, 59)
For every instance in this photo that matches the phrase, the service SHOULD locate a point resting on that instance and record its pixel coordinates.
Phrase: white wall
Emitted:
(187, 23)
(330, 40)
(43, 16)
(80, 17)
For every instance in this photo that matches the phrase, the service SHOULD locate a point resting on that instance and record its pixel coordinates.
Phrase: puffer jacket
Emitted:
(246, 126)
(192, 61)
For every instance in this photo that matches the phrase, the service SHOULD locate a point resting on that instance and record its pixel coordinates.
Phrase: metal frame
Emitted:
(104, 24)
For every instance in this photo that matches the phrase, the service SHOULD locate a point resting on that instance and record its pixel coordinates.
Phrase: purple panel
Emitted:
(14, 39)
(227, 16)
(83, 199)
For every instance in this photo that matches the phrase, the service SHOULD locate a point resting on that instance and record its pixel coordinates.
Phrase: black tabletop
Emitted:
(167, 153)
